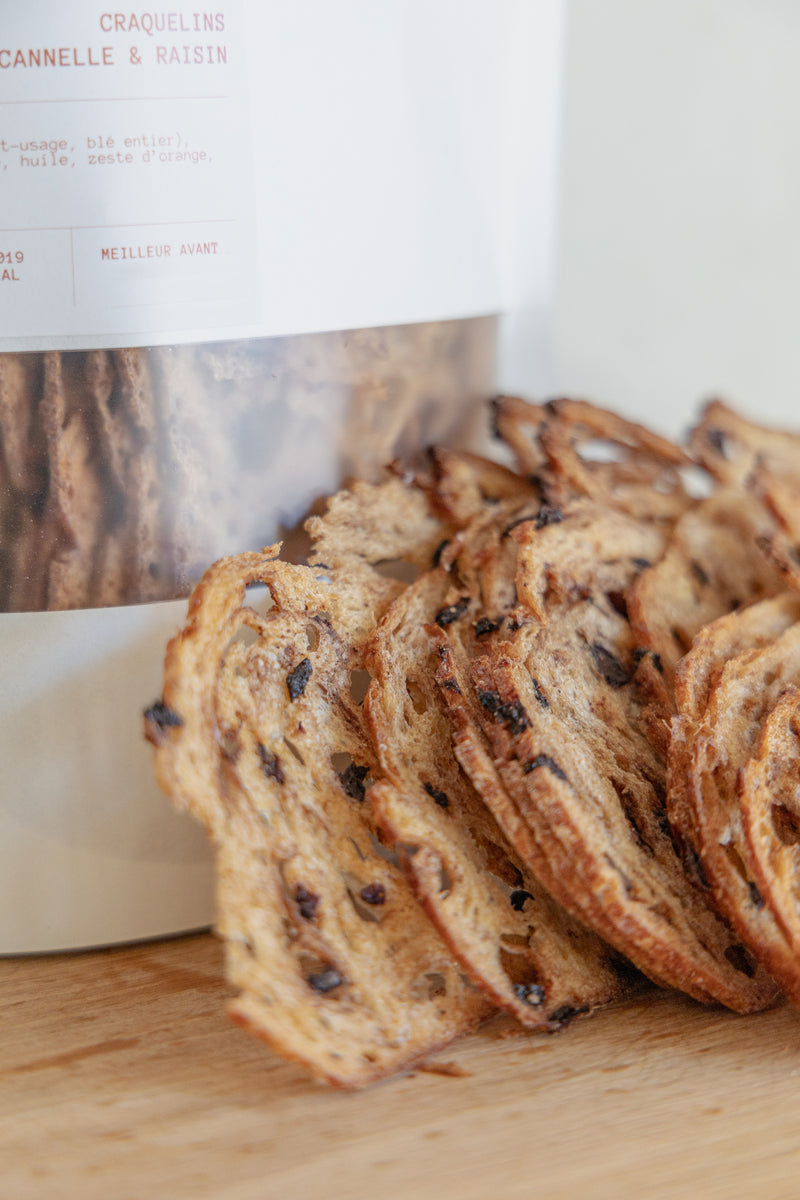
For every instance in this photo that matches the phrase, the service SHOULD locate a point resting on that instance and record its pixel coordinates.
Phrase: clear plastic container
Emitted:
(127, 472)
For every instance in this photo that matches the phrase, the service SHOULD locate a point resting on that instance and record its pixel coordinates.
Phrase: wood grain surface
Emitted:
(122, 1078)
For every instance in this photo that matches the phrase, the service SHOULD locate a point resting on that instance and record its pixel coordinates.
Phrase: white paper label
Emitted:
(261, 169)
(128, 198)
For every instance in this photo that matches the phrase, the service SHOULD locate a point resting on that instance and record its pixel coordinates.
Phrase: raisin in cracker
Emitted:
(507, 933)
(261, 737)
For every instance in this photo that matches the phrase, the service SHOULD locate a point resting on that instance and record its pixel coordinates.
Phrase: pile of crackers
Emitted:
(519, 735)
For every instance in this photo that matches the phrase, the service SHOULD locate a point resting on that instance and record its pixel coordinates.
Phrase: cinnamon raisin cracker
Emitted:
(715, 562)
(698, 672)
(258, 734)
(771, 825)
(730, 446)
(749, 685)
(557, 736)
(573, 448)
(378, 523)
(507, 933)
(463, 485)
(562, 718)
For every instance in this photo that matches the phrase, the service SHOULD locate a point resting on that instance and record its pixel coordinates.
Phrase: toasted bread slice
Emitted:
(259, 735)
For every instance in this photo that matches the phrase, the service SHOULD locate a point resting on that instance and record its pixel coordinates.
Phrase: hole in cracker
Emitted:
(358, 849)
(445, 881)
(359, 682)
(697, 482)
(629, 805)
(517, 966)
(259, 598)
(290, 746)
(399, 569)
(437, 984)
(682, 641)
(245, 636)
(618, 602)
(417, 697)
(388, 853)
(740, 960)
(312, 637)
(514, 943)
(498, 863)
(736, 860)
(785, 824)
(602, 450)
(430, 986)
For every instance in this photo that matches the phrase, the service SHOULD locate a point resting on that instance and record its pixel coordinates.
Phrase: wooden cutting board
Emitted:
(121, 1078)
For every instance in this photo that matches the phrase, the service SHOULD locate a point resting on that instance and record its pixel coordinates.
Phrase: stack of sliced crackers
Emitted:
(519, 736)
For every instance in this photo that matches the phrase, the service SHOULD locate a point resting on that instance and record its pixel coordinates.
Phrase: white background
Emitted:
(679, 247)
